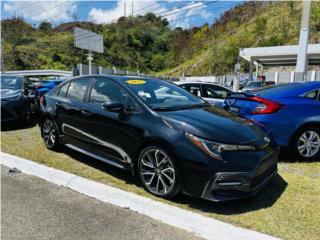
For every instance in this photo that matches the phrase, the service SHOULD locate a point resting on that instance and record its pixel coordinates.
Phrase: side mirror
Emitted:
(113, 107)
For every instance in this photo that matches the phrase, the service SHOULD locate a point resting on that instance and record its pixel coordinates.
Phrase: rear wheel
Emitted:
(50, 134)
(306, 144)
(158, 172)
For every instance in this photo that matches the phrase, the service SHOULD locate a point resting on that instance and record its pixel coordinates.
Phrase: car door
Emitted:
(112, 135)
(70, 110)
(214, 94)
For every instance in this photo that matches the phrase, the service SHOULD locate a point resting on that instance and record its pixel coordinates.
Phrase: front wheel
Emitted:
(306, 144)
(50, 134)
(158, 172)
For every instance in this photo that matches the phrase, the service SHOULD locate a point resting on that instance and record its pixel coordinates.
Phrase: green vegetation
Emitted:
(148, 44)
(288, 207)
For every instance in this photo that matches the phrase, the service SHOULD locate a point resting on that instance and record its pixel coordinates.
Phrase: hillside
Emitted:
(147, 43)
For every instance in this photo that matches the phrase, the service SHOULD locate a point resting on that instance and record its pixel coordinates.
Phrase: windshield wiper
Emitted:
(198, 105)
(162, 109)
(175, 108)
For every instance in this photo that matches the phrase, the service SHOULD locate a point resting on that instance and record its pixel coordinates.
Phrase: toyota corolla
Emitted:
(174, 141)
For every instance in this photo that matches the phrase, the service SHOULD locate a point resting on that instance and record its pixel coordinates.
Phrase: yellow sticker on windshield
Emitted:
(136, 81)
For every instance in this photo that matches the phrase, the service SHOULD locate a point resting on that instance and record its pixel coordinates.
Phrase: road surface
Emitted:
(32, 208)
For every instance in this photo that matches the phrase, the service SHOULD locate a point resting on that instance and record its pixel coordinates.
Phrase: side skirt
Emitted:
(90, 154)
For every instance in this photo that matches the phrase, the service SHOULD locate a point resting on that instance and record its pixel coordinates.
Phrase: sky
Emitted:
(183, 14)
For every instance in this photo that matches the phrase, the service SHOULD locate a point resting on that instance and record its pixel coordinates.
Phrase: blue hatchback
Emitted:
(291, 111)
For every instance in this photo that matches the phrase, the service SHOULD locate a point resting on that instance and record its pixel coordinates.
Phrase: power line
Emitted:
(26, 6)
(196, 14)
(139, 10)
(184, 10)
(182, 6)
(80, 4)
(52, 7)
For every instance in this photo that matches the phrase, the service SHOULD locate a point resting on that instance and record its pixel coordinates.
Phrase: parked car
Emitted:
(173, 140)
(211, 92)
(291, 111)
(257, 84)
(15, 101)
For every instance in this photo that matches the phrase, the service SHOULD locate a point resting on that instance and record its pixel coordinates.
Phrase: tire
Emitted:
(158, 172)
(306, 144)
(50, 134)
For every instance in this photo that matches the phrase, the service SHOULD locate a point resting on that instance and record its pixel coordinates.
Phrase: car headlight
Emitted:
(215, 149)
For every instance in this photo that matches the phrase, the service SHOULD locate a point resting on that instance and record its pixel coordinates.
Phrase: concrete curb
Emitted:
(199, 225)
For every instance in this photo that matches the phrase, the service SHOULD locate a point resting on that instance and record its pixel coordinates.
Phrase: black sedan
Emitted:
(15, 103)
(174, 141)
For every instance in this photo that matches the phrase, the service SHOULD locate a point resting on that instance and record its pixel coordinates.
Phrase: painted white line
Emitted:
(200, 225)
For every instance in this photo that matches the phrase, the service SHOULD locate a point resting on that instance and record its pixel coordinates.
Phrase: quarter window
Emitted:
(63, 90)
(312, 95)
(215, 92)
(77, 89)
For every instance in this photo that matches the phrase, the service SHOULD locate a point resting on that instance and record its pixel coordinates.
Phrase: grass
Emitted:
(289, 207)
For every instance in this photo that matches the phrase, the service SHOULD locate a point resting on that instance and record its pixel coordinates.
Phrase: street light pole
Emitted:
(302, 60)
(90, 58)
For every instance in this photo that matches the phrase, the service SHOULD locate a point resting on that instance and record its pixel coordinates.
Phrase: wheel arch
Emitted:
(304, 125)
(157, 142)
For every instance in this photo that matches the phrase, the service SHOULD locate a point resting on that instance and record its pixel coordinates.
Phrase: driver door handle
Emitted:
(85, 113)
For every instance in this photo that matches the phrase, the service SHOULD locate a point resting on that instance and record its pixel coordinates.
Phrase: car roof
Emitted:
(119, 78)
(196, 82)
(11, 75)
(287, 89)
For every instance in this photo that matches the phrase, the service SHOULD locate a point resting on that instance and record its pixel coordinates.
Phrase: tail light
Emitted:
(265, 106)
(42, 100)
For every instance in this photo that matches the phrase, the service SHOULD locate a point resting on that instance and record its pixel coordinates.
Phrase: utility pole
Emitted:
(125, 8)
(132, 9)
(302, 60)
(90, 58)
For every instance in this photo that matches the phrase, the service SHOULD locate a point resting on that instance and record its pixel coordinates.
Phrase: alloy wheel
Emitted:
(309, 144)
(157, 171)
(49, 132)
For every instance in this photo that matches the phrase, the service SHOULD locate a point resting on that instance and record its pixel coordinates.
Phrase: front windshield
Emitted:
(254, 84)
(11, 82)
(159, 94)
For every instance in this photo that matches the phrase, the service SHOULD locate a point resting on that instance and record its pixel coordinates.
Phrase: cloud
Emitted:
(52, 11)
(163, 8)
(139, 8)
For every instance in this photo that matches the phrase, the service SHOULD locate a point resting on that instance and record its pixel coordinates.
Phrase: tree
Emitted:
(45, 26)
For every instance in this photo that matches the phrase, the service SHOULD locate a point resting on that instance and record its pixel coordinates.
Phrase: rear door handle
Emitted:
(85, 113)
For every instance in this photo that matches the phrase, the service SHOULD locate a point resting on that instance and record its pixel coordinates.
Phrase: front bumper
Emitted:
(225, 186)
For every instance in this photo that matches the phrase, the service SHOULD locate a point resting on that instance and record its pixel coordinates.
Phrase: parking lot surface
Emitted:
(35, 209)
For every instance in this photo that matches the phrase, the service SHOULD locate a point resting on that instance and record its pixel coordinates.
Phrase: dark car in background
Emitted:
(212, 93)
(174, 141)
(291, 111)
(15, 102)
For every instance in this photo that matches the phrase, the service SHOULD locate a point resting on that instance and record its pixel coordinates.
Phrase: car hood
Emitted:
(6, 93)
(216, 125)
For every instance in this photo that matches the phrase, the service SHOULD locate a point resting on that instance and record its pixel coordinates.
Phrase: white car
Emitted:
(212, 93)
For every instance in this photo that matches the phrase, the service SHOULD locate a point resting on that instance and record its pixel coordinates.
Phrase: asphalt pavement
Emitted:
(32, 208)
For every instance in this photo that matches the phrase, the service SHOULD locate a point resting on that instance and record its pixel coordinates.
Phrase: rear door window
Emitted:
(195, 89)
(77, 89)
